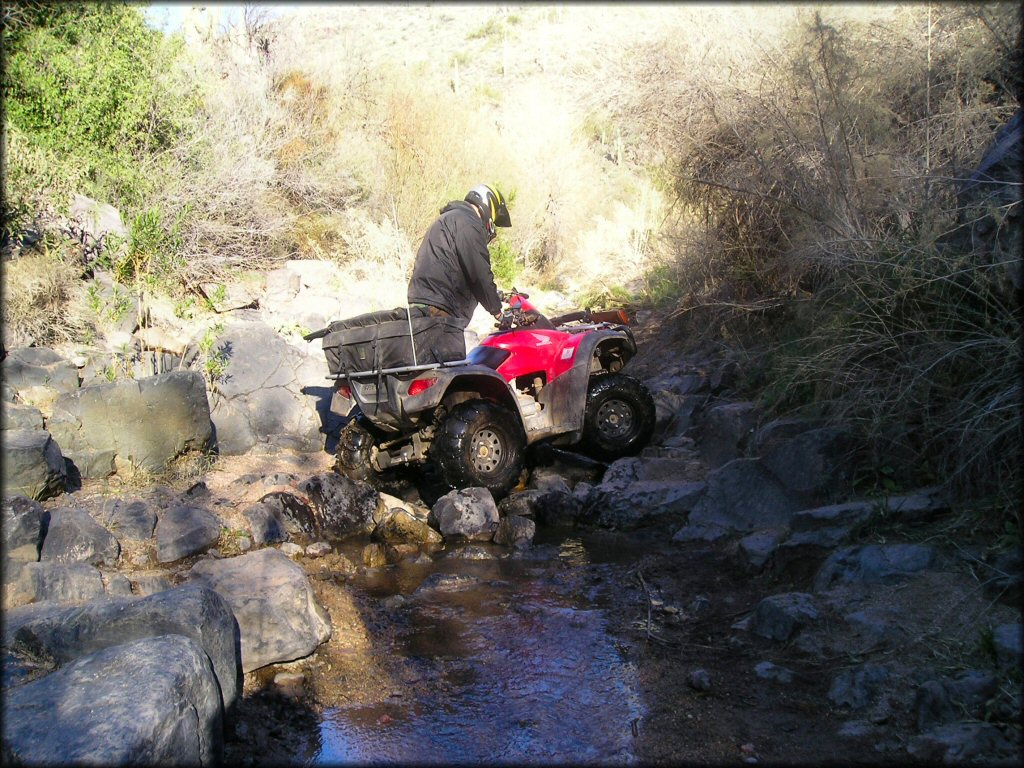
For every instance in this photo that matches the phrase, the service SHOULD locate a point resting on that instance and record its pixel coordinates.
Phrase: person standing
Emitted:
(452, 272)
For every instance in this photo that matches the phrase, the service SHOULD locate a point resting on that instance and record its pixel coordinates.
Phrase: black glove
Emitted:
(505, 320)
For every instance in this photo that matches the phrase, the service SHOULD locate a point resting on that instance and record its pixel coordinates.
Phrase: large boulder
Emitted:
(817, 463)
(32, 464)
(635, 491)
(741, 497)
(74, 537)
(20, 416)
(724, 431)
(62, 634)
(153, 701)
(873, 563)
(146, 423)
(259, 399)
(278, 616)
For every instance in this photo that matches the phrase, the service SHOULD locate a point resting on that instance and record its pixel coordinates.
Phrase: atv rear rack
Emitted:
(402, 369)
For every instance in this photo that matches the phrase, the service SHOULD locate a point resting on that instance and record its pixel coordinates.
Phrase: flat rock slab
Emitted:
(278, 616)
(74, 537)
(152, 701)
(182, 531)
(58, 582)
(32, 464)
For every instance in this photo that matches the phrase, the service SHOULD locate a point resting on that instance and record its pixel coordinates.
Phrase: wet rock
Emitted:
(445, 582)
(515, 531)
(290, 684)
(644, 501)
(24, 526)
(521, 503)
(699, 680)
(965, 743)
(766, 670)
(161, 705)
(741, 497)
(856, 688)
(342, 507)
(375, 556)
(468, 514)
(1009, 644)
(74, 537)
(32, 464)
(470, 552)
(401, 553)
(401, 527)
(779, 617)
(277, 613)
(182, 531)
(149, 422)
(58, 582)
(62, 634)
(133, 520)
(873, 563)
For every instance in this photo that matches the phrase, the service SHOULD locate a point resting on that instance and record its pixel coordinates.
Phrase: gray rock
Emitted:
(558, 509)
(919, 506)
(741, 497)
(847, 516)
(259, 399)
(24, 526)
(817, 463)
(401, 527)
(872, 628)
(674, 411)
(319, 549)
(147, 422)
(873, 563)
(775, 433)
(182, 531)
(942, 701)
(779, 617)
(160, 705)
(468, 514)
(965, 743)
(699, 680)
(766, 670)
(118, 585)
(1008, 643)
(856, 688)
(38, 367)
(754, 551)
(291, 549)
(133, 520)
(277, 612)
(151, 583)
(341, 507)
(644, 501)
(32, 464)
(19, 416)
(58, 582)
(74, 537)
(515, 531)
(445, 583)
(266, 523)
(64, 634)
(724, 431)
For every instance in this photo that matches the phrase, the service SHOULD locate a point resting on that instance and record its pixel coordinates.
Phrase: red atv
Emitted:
(473, 416)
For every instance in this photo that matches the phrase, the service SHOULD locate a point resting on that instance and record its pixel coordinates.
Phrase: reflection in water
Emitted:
(517, 663)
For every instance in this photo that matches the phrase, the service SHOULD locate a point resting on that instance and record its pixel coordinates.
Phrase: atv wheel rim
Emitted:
(487, 451)
(615, 419)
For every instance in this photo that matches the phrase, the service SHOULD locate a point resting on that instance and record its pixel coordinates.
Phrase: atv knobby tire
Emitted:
(353, 460)
(480, 444)
(619, 417)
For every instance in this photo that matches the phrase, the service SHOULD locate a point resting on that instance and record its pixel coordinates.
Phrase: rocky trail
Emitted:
(723, 597)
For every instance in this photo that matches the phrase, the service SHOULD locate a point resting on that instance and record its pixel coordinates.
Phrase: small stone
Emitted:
(319, 549)
(291, 549)
(244, 543)
(699, 680)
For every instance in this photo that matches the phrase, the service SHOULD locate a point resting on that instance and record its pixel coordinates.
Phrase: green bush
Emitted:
(84, 101)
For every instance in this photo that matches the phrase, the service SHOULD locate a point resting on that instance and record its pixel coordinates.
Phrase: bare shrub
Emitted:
(40, 302)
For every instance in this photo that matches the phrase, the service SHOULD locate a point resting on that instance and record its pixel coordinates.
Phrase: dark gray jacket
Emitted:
(453, 268)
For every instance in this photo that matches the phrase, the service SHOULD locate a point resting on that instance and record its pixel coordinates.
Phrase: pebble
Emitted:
(291, 549)
(319, 549)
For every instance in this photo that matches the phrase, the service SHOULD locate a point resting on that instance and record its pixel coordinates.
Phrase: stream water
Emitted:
(513, 656)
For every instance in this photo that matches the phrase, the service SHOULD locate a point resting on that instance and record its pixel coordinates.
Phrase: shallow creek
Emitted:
(512, 657)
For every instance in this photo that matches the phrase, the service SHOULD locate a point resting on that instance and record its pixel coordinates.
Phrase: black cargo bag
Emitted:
(380, 340)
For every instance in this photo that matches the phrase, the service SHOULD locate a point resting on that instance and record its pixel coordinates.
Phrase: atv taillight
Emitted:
(345, 391)
(420, 386)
